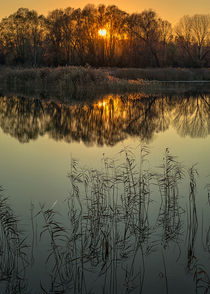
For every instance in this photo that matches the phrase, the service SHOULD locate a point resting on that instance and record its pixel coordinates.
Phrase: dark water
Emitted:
(105, 197)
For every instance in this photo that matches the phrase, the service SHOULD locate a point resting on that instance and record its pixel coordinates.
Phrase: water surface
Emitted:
(140, 239)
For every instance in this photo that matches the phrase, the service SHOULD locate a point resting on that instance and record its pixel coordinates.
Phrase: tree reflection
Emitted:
(106, 122)
(192, 117)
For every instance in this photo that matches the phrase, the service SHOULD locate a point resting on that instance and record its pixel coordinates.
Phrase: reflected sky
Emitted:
(39, 138)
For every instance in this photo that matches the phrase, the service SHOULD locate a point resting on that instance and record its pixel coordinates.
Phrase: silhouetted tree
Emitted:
(193, 37)
(22, 34)
(71, 37)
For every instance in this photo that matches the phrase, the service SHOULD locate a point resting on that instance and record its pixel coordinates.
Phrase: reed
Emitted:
(103, 241)
(13, 250)
(109, 234)
(170, 210)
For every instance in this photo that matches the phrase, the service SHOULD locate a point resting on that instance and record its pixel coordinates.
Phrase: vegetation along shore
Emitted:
(86, 82)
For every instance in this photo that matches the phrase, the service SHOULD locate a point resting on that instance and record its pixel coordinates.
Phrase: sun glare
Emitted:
(102, 32)
(101, 104)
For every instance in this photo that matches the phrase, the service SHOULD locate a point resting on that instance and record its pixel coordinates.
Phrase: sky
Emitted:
(172, 10)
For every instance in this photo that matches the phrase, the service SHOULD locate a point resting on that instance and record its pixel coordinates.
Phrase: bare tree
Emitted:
(193, 35)
(145, 26)
(22, 34)
(71, 37)
(200, 25)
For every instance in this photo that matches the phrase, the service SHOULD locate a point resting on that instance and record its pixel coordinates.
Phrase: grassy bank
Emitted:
(86, 82)
(162, 74)
(63, 81)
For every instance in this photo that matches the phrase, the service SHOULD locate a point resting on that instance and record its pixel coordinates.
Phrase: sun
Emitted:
(102, 32)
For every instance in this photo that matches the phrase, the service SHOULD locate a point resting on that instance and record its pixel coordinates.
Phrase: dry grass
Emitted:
(75, 83)
(163, 74)
(62, 81)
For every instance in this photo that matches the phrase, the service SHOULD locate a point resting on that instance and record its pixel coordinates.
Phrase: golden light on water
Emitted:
(102, 32)
(101, 104)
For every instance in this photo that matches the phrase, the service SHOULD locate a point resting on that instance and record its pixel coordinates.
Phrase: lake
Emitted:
(108, 196)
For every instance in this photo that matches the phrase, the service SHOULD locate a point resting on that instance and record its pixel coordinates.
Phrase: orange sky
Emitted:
(171, 10)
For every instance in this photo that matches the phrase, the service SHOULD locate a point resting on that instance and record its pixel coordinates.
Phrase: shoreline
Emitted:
(83, 83)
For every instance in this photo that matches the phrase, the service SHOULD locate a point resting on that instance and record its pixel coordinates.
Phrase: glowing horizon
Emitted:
(164, 8)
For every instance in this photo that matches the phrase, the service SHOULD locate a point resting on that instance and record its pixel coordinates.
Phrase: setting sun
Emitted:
(102, 32)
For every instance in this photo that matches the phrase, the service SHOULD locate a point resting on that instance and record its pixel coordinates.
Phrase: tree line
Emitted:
(72, 37)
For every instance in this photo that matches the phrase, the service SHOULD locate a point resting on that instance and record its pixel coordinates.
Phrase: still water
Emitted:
(112, 196)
